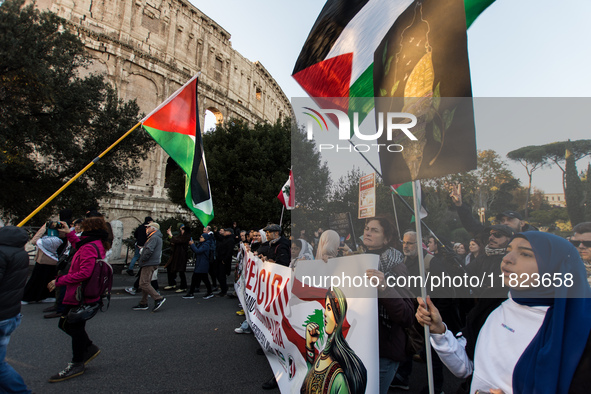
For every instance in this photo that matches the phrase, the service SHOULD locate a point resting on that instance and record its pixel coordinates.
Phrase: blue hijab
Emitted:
(548, 363)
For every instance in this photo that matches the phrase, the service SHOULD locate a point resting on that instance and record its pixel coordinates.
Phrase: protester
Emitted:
(537, 341)
(14, 267)
(476, 249)
(178, 258)
(581, 239)
(140, 239)
(395, 308)
(225, 248)
(300, 250)
(328, 245)
(278, 245)
(47, 242)
(95, 237)
(201, 251)
(149, 261)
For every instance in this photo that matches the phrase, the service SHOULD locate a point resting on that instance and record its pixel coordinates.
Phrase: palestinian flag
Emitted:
(338, 55)
(174, 125)
(287, 193)
(405, 189)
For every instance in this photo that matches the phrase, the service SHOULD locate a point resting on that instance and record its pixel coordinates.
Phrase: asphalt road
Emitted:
(189, 346)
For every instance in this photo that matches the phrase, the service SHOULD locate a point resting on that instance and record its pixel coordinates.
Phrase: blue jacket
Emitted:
(201, 251)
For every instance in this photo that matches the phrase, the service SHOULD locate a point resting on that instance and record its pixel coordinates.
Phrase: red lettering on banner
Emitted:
(275, 295)
(267, 289)
(250, 273)
(260, 287)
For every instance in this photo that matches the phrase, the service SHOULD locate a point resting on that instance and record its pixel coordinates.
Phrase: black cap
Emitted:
(148, 219)
(503, 229)
(510, 215)
(272, 228)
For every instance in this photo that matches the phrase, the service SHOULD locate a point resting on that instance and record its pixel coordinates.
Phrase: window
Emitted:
(259, 94)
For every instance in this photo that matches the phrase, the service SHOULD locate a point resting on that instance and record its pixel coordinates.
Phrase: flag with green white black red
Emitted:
(337, 59)
(174, 125)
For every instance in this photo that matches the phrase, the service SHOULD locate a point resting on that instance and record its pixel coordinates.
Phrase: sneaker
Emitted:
(91, 353)
(170, 287)
(158, 304)
(188, 296)
(398, 383)
(49, 300)
(240, 312)
(180, 290)
(131, 290)
(24, 303)
(208, 296)
(71, 371)
(130, 272)
(239, 330)
(140, 307)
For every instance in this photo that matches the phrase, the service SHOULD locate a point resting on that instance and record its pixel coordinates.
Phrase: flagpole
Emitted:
(281, 220)
(78, 175)
(395, 214)
(415, 191)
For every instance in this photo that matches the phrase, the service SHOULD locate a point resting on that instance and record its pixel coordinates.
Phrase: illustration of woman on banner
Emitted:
(337, 369)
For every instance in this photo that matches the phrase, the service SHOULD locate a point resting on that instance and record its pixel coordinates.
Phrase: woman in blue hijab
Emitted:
(537, 341)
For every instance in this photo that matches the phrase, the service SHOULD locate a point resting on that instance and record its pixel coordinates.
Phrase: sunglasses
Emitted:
(586, 244)
(497, 235)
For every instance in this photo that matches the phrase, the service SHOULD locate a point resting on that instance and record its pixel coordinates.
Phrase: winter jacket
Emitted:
(395, 308)
(14, 268)
(81, 269)
(152, 250)
(179, 256)
(201, 251)
(280, 251)
(140, 235)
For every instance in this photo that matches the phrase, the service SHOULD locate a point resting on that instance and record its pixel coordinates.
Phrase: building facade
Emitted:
(148, 49)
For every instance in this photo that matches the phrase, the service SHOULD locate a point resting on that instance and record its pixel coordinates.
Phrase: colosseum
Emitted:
(150, 48)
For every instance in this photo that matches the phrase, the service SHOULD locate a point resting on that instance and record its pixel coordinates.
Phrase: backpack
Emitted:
(100, 282)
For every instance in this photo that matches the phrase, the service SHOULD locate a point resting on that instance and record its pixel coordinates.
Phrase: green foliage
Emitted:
(574, 191)
(549, 218)
(318, 318)
(53, 122)
(247, 168)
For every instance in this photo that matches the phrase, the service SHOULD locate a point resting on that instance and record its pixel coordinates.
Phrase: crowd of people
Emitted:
(498, 337)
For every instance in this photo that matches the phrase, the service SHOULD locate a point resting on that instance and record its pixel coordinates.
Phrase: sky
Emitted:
(537, 50)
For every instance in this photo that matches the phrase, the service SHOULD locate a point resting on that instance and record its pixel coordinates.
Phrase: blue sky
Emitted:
(521, 48)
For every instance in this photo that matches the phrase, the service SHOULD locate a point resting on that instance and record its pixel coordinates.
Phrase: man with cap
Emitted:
(509, 218)
(279, 246)
(149, 261)
(140, 240)
(582, 241)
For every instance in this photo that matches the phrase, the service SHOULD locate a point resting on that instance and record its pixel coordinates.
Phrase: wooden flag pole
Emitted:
(78, 175)
(415, 197)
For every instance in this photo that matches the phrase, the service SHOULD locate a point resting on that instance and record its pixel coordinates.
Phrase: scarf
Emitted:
(548, 363)
(494, 251)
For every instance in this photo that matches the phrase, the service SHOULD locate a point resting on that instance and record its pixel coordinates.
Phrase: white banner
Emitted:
(317, 327)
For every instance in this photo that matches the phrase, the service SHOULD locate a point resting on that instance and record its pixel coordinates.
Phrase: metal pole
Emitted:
(415, 192)
(78, 175)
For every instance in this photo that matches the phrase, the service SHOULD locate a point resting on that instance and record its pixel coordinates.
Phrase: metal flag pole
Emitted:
(78, 175)
(415, 197)
(281, 220)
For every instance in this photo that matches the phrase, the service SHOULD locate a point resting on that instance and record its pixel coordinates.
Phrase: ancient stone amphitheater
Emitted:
(148, 49)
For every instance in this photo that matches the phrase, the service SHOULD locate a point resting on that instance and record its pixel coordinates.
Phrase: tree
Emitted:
(555, 153)
(247, 168)
(573, 192)
(531, 158)
(53, 122)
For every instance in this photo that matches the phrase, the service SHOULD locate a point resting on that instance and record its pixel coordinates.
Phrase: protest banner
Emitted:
(323, 305)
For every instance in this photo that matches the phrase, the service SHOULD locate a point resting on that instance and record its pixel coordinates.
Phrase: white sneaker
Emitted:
(130, 290)
(49, 300)
(239, 330)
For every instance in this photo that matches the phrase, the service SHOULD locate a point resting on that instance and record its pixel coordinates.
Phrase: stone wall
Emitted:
(150, 48)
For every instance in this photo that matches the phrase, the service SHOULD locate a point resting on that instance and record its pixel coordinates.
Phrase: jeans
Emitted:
(10, 380)
(387, 371)
(135, 258)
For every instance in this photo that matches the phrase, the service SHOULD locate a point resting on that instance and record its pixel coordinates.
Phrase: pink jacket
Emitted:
(80, 270)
